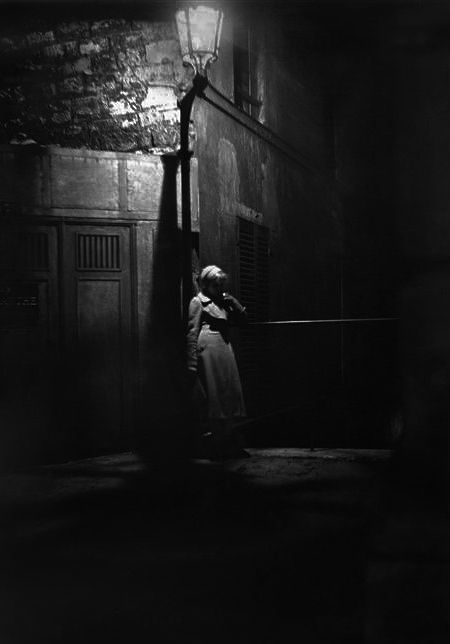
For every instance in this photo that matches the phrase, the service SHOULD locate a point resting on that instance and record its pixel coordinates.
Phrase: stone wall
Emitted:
(83, 79)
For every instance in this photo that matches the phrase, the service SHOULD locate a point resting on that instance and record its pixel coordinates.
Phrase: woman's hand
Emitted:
(238, 314)
(232, 303)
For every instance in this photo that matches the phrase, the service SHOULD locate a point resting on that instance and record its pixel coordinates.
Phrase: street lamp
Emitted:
(199, 27)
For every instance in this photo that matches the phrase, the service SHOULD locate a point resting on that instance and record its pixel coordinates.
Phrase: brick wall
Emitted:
(109, 84)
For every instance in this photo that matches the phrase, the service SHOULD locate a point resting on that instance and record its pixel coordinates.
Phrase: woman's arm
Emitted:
(237, 312)
(194, 324)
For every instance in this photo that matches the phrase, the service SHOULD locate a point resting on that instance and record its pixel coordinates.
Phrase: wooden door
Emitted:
(29, 333)
(97, 321)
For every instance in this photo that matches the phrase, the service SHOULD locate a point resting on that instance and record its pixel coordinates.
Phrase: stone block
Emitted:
(144, 181)
(72, 85)
(129, 121)
(121, 58)
(22, 178)
(165, 135)
(141, 25)
(48, 90)
(63, 116)
(40, 38)
(163, 30)
(161, 99)
(54, 51)
(109, 88)
(160, 72)
(82, 65)
(108, 135)
(120, 108)
(93, 86)
(85, 106)
(162, 51)
(134, 41)
(142, 74)
(107, 26)
(73, 30)
(10, 44)
(73, 131)
(104, 63)
(85, 182)
(71, 48)
(30, 66)
(134, 57)
(94, 46)
(66, 69)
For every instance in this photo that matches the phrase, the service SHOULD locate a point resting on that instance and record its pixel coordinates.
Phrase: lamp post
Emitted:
(199, 27)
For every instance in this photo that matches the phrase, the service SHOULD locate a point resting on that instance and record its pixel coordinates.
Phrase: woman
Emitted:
(211, 361)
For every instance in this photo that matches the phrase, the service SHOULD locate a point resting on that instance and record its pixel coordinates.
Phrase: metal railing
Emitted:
(284, 373)
(327, 320)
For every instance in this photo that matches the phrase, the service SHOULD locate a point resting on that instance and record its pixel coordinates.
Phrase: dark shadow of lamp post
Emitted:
(199, 27)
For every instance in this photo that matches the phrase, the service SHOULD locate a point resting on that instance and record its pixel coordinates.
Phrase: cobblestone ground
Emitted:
(268, 549)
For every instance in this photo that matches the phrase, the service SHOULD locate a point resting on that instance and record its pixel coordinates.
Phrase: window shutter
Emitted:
(253, 252)
(253, 242)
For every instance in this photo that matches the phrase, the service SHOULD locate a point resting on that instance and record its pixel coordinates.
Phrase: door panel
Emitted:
(98, 332)
(28, 341)
(99, 327)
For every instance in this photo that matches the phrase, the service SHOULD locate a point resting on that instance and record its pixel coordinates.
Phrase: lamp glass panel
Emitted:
(204, 22)
(182, 26)
(219, 31)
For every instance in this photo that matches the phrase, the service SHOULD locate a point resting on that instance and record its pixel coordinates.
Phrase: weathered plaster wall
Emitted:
(328, 92)
(241, 174)
(255, 179)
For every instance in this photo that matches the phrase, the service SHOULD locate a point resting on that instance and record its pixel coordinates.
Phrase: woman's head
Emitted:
(213, 281)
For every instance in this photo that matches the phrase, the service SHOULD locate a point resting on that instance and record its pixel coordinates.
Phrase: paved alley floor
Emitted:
(254, 550)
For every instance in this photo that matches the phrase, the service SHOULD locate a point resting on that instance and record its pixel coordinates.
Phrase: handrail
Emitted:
(324, 321)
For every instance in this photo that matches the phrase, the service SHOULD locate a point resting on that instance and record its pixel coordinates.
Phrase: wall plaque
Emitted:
(19, 306)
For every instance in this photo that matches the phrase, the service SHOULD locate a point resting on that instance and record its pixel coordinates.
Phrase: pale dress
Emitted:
(210, 354)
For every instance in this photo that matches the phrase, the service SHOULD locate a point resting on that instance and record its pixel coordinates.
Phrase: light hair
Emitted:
(212, 274)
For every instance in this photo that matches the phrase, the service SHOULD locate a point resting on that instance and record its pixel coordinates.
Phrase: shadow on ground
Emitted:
(252, 551)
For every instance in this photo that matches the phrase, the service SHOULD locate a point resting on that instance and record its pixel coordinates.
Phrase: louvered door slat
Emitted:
(253, 242)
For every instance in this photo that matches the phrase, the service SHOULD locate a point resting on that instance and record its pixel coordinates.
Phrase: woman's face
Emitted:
(215, 289)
